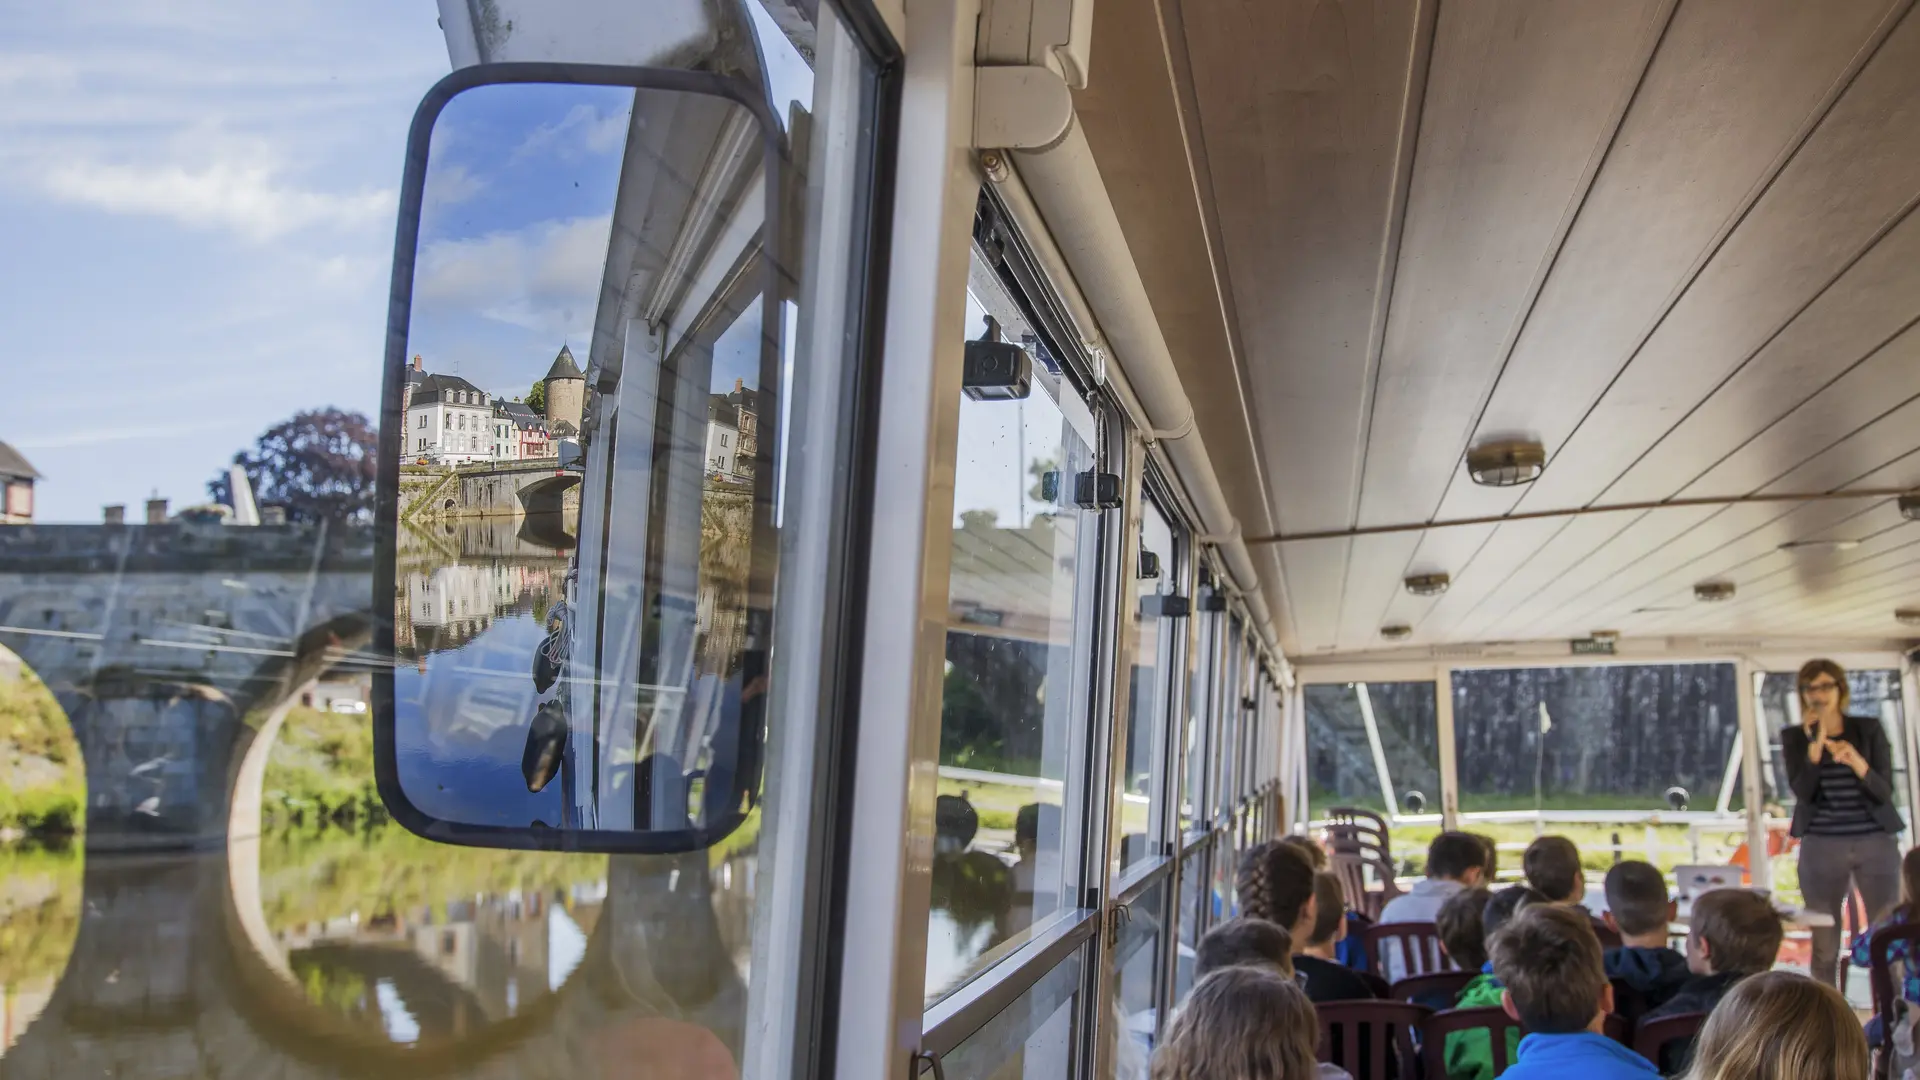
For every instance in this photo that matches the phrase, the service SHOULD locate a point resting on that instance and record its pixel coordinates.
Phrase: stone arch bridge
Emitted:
(175, 650)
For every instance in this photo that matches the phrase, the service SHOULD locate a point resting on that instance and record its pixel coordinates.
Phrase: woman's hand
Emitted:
(1845, 754)
(1816, 742)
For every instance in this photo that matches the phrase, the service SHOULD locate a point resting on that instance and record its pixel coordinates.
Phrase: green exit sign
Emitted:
(1592, 646)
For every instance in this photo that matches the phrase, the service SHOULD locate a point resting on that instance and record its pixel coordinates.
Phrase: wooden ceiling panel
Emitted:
(1367, 596)
(1828, 351)
(1522, 100)
(1486, 572)
(1847, 185)
(1662, 552)
(1733, 84)
(1440, 550)
(1302, 108)
(1856, 401)
(1313, 573)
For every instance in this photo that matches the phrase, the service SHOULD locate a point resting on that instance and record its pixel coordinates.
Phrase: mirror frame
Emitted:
(772, 269)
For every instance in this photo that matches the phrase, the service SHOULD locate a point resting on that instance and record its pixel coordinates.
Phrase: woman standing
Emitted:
(1841, 770)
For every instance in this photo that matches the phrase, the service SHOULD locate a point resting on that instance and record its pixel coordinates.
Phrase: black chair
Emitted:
(1418, 944)
(1369, 1039)
(1492, 1019)
(1628, 1003)
(1886, 996)
(1432, 988)
(1668, 1041)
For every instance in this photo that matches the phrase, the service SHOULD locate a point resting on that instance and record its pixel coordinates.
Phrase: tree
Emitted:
(537, 397)
(319, 465)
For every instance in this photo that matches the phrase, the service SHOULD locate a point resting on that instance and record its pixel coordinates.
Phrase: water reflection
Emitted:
(420, 942)
(473, 598)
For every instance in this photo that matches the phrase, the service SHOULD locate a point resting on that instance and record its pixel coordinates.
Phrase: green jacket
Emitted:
(1470, 1053)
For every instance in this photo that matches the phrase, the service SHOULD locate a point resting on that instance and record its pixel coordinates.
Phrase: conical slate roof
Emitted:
(564, 367)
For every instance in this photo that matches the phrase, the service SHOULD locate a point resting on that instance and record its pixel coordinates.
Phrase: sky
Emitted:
(198, 203)
(198, 200)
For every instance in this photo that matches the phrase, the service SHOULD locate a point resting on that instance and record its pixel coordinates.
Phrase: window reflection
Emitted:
(1023, 560)
(1373, 745)
(1154, 635)
(1137, 967)
(1194, 734)
(1031, 1039)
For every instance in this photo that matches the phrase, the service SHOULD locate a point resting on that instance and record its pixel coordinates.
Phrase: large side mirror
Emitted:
(578, 460)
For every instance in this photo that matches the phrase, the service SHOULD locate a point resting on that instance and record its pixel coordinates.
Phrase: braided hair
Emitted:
(1274, 883)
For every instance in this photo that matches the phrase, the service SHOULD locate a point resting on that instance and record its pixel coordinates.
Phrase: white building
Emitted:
(723, 439)
(449, 422)
(506, 434)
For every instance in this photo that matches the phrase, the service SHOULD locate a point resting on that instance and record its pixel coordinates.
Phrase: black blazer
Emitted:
(1864, 734)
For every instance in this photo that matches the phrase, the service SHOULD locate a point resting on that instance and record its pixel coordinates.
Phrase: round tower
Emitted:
(566, 394)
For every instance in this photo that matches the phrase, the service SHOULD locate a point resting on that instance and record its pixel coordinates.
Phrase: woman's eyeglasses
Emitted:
(1820, 687)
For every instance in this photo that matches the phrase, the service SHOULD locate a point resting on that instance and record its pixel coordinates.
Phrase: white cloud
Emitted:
(449, 184)
(250, 199)
(544, 277)
(583, 129)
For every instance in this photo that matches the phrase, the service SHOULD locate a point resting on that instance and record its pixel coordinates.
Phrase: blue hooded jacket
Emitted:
(1655, 974)
(1581, 1054)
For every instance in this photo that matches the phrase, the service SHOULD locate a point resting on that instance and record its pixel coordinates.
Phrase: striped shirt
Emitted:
(1840, 808)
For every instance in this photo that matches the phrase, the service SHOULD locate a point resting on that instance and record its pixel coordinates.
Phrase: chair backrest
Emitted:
(1418, 944)
(1651, 1038)
(1354, 815)
(1493, 1020)
(1424, 989)
(1370, 1039)
(1350, 866)
(1628, 1003)
(1880, 978)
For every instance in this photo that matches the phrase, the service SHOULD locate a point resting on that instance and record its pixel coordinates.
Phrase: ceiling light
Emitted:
(1428, 584)
(1396, 633)
(1713, 591)
(1909, 616)
(1820, 545)
(1506, 463)
(1604, 635)
(1910, 506)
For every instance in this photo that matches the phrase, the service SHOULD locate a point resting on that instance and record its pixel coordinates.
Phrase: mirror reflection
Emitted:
(583, 549)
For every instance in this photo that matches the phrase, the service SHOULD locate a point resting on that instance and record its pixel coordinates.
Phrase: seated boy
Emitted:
(1552, 866)
(1327, 978)
(1639, 911)
(1470, 1053)
(1732, 934)
(1244, 942)
(1548, 958)
(1462, 934)
(1456, 861)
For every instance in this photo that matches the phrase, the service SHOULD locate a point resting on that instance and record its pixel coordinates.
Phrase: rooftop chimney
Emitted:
(116, 514)
(416, 362)
(738, 384)
(156, 511)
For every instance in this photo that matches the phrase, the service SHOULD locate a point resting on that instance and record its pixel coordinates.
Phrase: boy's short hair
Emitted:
(1552, 866)
(1330, 908)
(1462, 928)
(1493, 855)
(1243, 942)
(1315, 854)
(1501, 909)
(1549, 959)
(1454, 853)
(1741, 930)
(1637, 897)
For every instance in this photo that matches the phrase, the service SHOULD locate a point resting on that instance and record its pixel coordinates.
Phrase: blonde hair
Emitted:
(1241, 1023)
(1780, 1026)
